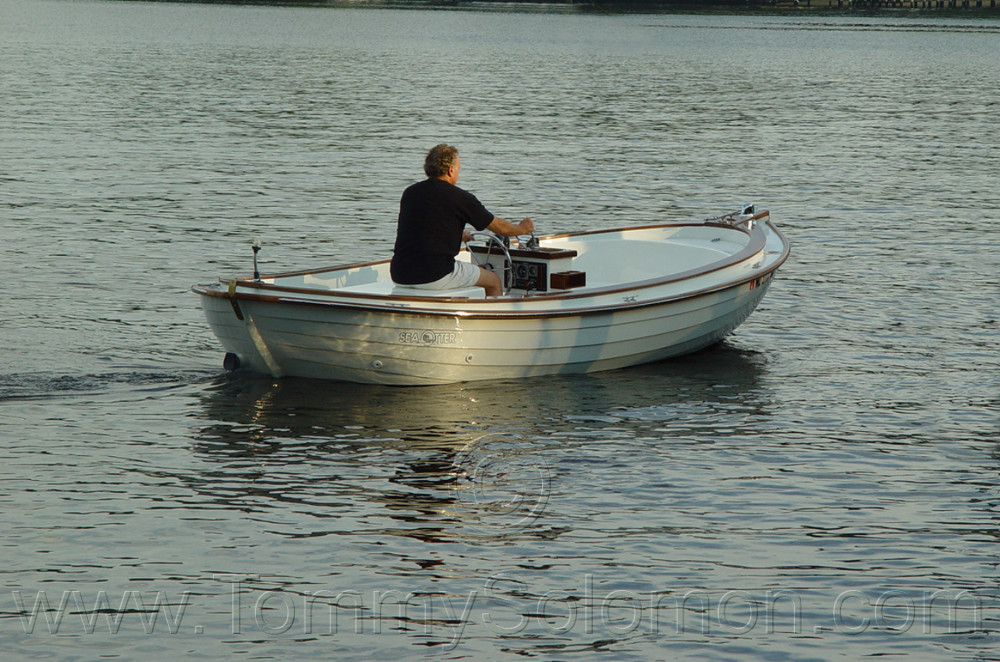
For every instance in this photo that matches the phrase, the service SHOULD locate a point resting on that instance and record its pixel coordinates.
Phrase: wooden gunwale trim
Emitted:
(748, 251)
(514, 315)
(487, 315)
(656, 226)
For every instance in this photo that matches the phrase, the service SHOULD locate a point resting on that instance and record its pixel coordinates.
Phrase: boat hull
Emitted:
(301, 340)
(291, 326)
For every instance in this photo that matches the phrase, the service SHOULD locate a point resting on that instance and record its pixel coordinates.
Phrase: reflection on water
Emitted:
(465, 460)
(452, 416)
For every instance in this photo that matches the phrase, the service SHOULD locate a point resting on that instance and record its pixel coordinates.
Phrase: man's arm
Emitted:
(507, 229)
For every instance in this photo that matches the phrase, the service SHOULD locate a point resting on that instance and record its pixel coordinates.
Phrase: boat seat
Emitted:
(474, 292)
(388, 288)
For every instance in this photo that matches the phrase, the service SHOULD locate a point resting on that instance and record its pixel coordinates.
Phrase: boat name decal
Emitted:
(427, 338)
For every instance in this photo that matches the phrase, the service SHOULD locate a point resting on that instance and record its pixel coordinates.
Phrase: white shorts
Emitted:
(465, 274)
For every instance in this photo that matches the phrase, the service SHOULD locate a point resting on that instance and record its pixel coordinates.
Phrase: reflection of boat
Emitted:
(243, 412)
(460, 462)
(573, 303)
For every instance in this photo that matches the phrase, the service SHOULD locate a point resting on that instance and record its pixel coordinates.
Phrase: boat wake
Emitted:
(40, 385)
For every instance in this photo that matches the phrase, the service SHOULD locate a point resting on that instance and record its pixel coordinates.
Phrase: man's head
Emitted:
(440, 161)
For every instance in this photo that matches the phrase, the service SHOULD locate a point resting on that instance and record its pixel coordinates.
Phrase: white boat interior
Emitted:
(609, 259)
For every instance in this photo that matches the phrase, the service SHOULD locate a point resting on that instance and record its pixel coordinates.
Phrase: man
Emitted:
(431, 227)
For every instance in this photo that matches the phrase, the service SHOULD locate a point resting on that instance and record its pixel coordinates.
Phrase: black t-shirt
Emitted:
(432, 217)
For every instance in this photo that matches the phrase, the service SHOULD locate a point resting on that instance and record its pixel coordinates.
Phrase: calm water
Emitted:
(825, 484)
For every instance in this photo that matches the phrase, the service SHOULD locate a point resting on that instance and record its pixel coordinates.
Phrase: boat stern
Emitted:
(235, 331)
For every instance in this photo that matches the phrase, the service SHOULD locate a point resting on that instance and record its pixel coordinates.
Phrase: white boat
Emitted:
(573, 303)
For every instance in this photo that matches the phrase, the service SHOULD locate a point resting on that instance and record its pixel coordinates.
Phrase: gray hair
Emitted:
(439, 160)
